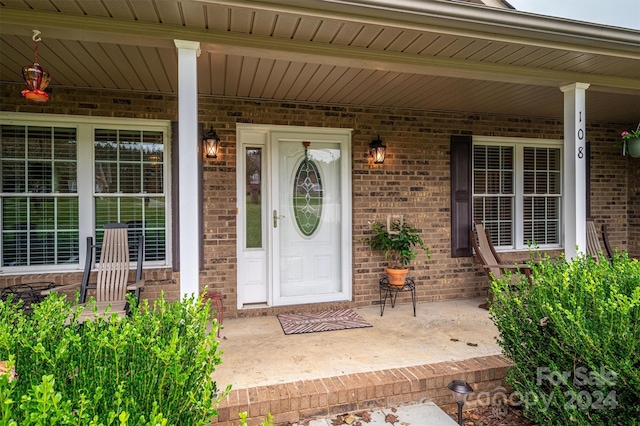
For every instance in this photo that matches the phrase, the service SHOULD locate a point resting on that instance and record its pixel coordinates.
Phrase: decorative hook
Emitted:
(306, 156)
(36, 36)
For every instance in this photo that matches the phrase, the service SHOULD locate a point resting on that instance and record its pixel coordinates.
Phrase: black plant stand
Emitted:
(387, 290)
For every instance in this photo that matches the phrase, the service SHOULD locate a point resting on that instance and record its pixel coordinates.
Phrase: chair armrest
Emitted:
(510, 266)
(59, 288)
(135, 286)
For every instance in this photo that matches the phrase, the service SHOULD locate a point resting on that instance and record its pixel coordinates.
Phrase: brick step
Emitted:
(308, 399)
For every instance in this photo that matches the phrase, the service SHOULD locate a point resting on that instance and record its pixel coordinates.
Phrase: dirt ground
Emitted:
(503, 415)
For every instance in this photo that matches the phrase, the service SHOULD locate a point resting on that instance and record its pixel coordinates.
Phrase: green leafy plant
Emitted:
(398, 246)
(265, 422)
(574, 336)
(153, 367)
(630, 135)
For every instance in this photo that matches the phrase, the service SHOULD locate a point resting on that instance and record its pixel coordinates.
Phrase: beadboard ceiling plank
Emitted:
(265, 67)
(339, 78)
(285, 26)
(384, 39)
(385, 79)
(217, 73)
(232, 75)
(321, 76)
(420, 43)
(366, 36)
(153, 63)
(471, 48)
(247, 76)
(307, 29)
(120, 9)
(193, 14)
(241, 20)
(356, 82)
(327, 31)
(168, 12)
(332, 79)
(275, 78)
(490, 49)
(302, 79)
(119, 68)
(169, 59)
(396, 91)
(288, 79)
(263, 23)
(140, 69)
(403, 41)
(347, 33)
(218, 17)
(79, 63)
(69, 6)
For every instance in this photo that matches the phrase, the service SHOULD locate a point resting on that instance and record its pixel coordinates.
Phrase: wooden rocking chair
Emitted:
(594, 249)
(490, 260)
(111, 284)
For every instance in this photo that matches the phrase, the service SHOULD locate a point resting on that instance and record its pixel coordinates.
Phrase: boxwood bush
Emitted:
(574, 336)
(153, 367)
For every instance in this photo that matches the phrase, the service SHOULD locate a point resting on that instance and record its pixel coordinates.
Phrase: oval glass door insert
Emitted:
(307, 197)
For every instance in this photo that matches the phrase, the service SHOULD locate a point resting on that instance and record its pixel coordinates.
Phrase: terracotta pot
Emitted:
(396, 276)
(633, 147)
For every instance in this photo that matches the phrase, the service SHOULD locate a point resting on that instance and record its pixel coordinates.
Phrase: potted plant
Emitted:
(399, 242)
(631, 142)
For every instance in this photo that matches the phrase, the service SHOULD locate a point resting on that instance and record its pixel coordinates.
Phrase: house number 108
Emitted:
(580, 137)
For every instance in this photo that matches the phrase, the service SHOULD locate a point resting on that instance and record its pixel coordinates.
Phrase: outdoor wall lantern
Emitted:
(461, 391)
(36, 77)
(211, 143)
(377, 150)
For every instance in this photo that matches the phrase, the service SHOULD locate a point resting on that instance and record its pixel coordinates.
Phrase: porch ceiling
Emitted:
(432, 54)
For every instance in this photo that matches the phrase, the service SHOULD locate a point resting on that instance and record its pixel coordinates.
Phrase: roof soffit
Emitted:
(162, 35)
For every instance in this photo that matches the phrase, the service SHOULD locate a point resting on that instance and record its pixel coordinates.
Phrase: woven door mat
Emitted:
(315, 322)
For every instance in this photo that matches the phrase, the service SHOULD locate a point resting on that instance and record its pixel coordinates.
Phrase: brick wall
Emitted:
(414, 180)
(634, 207)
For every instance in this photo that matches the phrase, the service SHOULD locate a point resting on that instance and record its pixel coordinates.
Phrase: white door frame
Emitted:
(256, 264)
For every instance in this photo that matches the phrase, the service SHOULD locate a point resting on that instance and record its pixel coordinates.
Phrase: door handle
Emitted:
(275, 218)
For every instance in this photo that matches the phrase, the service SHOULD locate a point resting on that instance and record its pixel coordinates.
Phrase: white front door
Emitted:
(307, 218)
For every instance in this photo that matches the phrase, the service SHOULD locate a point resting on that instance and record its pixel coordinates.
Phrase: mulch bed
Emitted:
(501, 415)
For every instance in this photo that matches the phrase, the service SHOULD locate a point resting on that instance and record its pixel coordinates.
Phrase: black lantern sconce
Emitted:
(377, 150)
(461, 391)
(211, 143)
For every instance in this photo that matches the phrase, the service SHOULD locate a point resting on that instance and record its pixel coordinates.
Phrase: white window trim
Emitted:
(85, 126)
(518, 144)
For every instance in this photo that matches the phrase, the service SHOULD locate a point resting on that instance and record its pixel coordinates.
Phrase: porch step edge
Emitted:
(309, 399)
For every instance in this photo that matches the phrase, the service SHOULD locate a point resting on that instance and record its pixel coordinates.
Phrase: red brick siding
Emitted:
(414, 181)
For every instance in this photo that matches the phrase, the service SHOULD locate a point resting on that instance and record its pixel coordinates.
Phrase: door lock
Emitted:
(275, 218)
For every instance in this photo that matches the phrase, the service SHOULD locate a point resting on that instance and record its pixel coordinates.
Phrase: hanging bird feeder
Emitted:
(36, 77)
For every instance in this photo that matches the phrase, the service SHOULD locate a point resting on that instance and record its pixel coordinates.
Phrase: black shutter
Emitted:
(175, 185)
(461, 191)
(588, 174)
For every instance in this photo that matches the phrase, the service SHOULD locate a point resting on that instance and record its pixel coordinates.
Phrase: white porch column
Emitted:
(575, 171)
(188, 151)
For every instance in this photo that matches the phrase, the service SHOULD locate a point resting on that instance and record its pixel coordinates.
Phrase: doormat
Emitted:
(315, 322)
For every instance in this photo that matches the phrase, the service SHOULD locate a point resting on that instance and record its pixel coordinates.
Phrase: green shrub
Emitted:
(153, 367)
(575, 340)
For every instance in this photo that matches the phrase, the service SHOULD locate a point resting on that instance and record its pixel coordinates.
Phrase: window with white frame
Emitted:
(517, 190)
(62, 178)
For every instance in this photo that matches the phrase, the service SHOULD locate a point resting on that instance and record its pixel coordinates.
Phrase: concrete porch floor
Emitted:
(401, 359)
